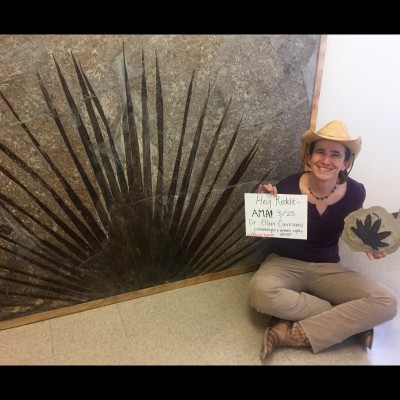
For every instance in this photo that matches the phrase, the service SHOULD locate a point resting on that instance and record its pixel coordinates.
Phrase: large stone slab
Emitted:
(125, 158)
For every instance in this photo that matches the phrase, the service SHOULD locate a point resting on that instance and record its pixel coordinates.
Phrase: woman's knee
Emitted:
(262, 295)
(389, 304)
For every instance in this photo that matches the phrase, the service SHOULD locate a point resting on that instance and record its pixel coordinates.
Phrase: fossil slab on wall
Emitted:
(125, 158)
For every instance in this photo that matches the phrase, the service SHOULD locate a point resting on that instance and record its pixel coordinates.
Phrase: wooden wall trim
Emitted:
(29, 319)
(318, 80)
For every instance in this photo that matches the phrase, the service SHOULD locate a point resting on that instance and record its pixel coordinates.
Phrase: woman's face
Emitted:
(327, 159)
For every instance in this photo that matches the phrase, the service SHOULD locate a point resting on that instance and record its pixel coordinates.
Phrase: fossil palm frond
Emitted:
(130, 226)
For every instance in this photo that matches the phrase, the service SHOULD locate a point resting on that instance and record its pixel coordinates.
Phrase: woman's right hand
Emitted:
(267, 188)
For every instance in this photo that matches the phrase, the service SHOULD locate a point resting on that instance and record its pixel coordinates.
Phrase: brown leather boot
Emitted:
(273, 321)
(366, 338)
(283, 333)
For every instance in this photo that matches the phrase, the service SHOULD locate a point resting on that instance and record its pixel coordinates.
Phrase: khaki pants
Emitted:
(330, 301)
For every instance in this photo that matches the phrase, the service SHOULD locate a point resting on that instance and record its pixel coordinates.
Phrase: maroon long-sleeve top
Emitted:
(323, 231)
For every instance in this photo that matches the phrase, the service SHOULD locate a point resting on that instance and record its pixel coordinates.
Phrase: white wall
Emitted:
(361, 86)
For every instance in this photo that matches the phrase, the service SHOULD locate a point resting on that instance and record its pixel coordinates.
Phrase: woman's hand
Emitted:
(377, 256)
(267, 188)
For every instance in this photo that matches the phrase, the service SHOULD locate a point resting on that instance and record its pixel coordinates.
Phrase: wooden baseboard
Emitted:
(29, 319)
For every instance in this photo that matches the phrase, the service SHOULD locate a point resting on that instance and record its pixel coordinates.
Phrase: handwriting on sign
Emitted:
(281, 216)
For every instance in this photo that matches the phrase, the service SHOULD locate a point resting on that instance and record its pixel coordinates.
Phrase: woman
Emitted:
(314, 299)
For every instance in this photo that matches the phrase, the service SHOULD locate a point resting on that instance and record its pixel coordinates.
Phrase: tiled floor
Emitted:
(205, 324)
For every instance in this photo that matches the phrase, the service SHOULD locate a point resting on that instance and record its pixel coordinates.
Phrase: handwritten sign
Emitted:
(280, 216)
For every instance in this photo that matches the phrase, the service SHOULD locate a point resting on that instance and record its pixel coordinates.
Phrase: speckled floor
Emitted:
(205, 324)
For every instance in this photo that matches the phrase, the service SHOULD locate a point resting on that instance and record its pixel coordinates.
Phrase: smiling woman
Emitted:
(314, 299)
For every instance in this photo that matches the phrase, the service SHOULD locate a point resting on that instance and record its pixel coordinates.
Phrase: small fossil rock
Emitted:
(372, 230)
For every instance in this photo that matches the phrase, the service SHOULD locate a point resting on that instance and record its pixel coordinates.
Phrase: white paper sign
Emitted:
(280, 216)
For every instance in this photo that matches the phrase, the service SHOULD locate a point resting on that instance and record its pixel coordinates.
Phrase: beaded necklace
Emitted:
(321, 198)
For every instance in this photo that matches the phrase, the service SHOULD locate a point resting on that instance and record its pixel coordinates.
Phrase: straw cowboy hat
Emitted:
(334, 130)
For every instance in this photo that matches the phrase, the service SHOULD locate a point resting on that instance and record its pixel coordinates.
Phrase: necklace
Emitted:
(321, 198)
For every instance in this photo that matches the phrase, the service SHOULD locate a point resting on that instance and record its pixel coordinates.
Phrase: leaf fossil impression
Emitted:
(369, 233)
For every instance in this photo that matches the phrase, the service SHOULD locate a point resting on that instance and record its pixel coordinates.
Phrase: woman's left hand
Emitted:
(377, 256)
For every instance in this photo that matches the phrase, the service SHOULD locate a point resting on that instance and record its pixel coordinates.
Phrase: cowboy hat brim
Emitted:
(310, 136)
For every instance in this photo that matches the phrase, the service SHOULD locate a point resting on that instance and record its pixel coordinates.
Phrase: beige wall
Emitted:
(361, 86)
